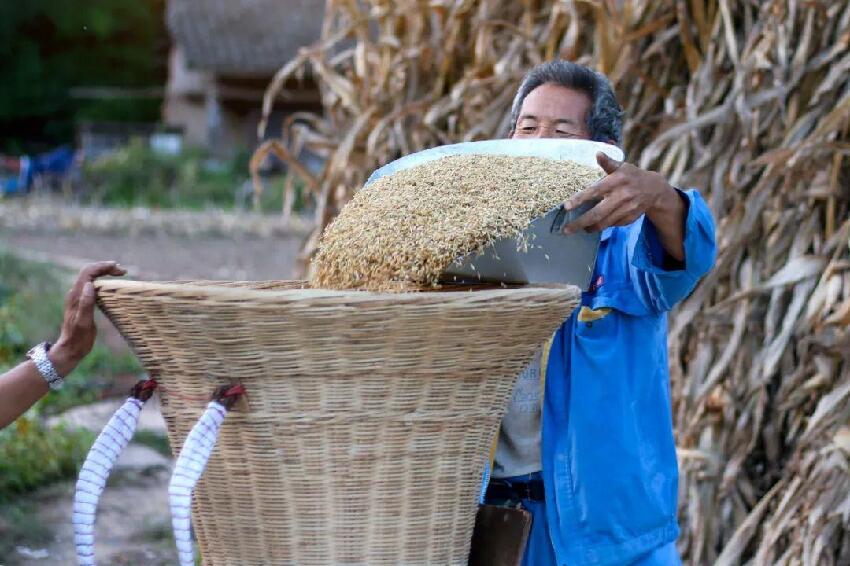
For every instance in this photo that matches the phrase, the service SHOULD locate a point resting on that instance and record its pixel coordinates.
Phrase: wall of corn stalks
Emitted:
(747, 100)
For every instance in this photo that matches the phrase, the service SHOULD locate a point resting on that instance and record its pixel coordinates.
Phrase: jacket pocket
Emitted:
(619, 484)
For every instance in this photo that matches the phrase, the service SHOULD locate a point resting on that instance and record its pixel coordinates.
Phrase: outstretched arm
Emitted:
(624, 195)
(23, 385)
(20, 387)
(671, 241)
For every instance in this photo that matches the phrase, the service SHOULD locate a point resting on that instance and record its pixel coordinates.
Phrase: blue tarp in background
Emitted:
(58, 162)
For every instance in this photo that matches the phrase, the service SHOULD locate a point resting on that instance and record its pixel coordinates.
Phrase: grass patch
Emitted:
(157, 531)
(21, 527)
(32, 455)
(158, 442)
(31, 296)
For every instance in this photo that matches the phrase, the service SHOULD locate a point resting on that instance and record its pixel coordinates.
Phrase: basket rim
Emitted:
(210, 291)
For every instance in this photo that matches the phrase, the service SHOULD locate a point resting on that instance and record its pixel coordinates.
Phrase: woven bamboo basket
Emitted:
(368, 417)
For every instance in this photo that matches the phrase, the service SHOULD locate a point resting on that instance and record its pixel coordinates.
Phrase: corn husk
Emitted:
(749, 101)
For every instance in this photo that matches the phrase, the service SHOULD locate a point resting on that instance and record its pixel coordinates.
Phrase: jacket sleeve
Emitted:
(657, 284)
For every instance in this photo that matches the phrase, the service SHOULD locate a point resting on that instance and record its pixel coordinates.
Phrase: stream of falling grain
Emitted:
(405, 229)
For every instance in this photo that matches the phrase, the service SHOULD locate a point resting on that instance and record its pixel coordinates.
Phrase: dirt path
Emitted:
(160, 256)
(133, 523)
(133, 520)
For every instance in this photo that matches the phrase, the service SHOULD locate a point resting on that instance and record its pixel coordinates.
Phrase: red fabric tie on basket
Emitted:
(235, 390)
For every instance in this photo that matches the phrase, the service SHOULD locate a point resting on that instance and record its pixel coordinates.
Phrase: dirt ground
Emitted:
(133, 525)
(163, 257)
(133, 520)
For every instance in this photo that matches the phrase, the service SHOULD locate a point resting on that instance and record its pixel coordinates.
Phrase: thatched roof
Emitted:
(243, 37)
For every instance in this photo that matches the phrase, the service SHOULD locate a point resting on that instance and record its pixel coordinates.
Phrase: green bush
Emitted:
(139, 176)
(32, 455)
(50, 47)
(154, 440)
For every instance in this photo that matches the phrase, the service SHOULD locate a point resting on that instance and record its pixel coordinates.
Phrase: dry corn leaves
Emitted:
(405, 229)
(749, 101)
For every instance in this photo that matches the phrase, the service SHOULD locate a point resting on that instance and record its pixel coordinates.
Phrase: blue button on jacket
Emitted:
(609, 458)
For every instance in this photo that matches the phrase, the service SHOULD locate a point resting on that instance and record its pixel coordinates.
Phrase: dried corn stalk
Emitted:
(748, 101)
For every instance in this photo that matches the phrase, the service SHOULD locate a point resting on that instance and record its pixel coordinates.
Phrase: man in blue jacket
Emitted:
(594, 459)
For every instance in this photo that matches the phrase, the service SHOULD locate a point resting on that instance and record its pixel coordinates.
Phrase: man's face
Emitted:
(553, 111)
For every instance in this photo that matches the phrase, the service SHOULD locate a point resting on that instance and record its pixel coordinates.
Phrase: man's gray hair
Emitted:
(605, 117)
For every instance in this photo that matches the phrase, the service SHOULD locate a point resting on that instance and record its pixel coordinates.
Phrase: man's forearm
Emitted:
(668, 217)
(20, 388)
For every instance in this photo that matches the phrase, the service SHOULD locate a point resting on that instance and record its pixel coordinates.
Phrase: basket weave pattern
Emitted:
(368, 417)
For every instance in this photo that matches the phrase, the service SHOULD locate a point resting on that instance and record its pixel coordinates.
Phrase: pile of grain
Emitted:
(405, 229)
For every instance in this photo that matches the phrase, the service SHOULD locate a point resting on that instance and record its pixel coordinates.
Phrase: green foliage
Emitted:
(138, 176)
(48, 47)
(157, 531)
(31, 296)
(32, 455)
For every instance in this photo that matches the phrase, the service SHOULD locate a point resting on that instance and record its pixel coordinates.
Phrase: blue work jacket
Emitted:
(609, 458)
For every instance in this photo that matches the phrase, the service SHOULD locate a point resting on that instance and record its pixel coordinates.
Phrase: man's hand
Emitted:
(78, 329)
(624, 194)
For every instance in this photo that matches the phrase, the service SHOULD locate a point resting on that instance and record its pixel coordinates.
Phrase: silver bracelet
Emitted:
(38, 354)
